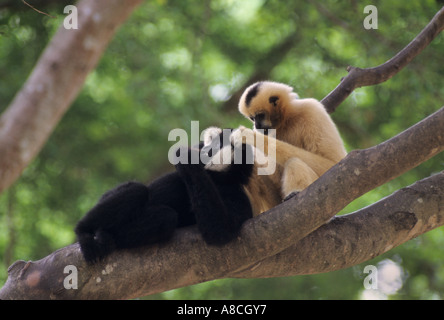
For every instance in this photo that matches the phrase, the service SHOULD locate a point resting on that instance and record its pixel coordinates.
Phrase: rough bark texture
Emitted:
(296, 237)
(285, 229)
(363, 235)
(55, 82)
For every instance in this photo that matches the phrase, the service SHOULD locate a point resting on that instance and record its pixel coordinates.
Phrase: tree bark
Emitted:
(276, 236)
(277, 243)
(55, 82)
(358, 77)
(360, 236)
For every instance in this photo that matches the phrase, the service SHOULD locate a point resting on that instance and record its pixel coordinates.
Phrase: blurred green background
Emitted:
(177, 61)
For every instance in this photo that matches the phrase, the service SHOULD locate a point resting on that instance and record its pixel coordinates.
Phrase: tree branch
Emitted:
(360, 236)
(37, 10)
(269, 243)
(55, 82)
(186, 259)
(358, 77)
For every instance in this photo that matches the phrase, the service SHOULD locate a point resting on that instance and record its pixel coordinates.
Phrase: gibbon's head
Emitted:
(222, 153)
(264, 103)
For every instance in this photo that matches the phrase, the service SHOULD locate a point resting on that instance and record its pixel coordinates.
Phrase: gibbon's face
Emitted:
(218, 147)
(222, 153)
(264, 103)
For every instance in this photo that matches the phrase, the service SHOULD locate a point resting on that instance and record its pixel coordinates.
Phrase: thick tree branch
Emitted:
(269, 243)
(355, 238)
(358, 77)
(55, 82)
(187, 259)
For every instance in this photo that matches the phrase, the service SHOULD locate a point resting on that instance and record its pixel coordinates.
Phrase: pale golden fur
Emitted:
(308, 142)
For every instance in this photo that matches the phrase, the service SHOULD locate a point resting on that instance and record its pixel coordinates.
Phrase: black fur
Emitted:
(252, 93)
(273, 100)
(133, 214)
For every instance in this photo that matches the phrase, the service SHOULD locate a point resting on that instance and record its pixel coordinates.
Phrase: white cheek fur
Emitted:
(221, 161)
(211, 133)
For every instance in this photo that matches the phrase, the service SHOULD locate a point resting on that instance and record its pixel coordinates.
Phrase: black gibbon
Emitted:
(209, 195)
(307, 141)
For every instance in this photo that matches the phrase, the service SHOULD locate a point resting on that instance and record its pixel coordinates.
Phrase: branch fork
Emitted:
(279, 242)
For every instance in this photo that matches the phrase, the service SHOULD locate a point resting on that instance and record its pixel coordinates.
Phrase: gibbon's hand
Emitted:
(241, 136)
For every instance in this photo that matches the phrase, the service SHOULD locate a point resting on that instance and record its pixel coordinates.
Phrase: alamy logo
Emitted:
(382, 280)
(371, 281)
(266, 165)
(71, 20)
(71, 280)
(371, 21)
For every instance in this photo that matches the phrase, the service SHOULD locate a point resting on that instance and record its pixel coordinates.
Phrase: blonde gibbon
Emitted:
(307, 141)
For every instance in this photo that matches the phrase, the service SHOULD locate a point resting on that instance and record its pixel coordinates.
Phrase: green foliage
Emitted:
(174, 62)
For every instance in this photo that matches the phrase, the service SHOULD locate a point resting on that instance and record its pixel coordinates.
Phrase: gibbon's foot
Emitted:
(290, 195)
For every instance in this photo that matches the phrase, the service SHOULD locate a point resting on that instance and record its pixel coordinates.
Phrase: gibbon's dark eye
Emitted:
(259, 117)
(273, 100)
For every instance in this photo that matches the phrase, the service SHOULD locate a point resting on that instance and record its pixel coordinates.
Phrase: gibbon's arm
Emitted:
(217, 221)
(209, 209)
(283, 150)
